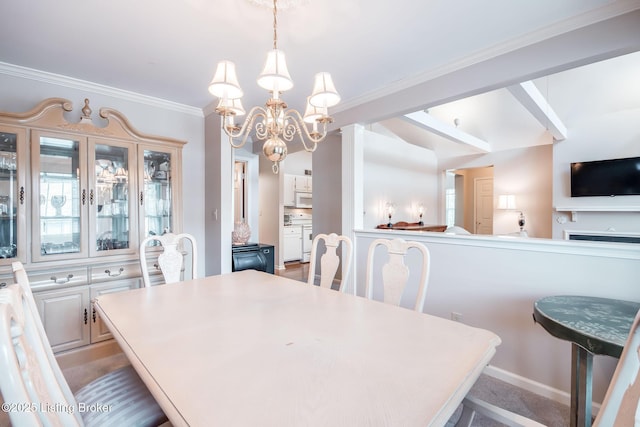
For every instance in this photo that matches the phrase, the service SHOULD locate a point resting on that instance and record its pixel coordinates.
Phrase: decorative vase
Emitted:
(241, 233)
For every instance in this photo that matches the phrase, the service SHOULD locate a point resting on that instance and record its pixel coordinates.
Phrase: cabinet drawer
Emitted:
(115, 271)
(292, 230)
(57, 278)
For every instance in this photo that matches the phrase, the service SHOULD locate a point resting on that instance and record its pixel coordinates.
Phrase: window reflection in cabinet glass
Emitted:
(157, 193)
(8, 193)
(111, 200)
(59, 196)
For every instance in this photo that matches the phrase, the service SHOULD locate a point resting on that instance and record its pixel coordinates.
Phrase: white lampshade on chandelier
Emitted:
(273, 123)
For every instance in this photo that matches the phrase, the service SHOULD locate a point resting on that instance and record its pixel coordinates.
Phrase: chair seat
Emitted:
(119, 398)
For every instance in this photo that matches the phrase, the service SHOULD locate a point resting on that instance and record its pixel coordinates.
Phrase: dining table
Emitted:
(250, 348)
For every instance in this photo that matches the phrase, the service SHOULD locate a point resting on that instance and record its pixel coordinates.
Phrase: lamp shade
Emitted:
(225, 82)
(324, 92)
(275, 75)
(313, 114)
(230, 106)
(507, 201)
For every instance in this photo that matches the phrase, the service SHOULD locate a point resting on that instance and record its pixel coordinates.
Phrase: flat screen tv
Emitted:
(615, 177)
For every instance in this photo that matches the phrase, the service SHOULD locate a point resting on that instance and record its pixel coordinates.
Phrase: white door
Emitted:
(483, 206)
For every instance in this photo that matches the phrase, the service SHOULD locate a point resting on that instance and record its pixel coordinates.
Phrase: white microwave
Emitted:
(303, 200)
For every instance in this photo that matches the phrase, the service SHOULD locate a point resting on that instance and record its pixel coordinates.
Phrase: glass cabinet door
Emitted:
(60, 197)
(156, 197)
(12, 195)
(113, 220)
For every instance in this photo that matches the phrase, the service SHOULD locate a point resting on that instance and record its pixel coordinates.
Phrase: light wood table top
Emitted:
(254, 349)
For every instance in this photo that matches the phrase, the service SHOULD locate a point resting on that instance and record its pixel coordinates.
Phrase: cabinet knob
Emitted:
(91, 197)
(84, 196)
(22, 195)
(85, 316)
(93, 314)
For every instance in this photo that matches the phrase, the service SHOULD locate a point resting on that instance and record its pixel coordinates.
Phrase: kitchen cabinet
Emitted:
(292, 243)
(303, 183)
(289, 190)
(76, 200)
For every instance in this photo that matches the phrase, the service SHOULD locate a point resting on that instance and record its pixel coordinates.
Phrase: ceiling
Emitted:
(169, 50)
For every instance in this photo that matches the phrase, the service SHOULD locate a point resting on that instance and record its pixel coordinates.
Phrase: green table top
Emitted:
(600, 325)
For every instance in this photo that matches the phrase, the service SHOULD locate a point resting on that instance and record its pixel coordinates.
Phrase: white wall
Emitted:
(399, 173)
(524, 172)
(271, 202)
(148, 115)
(609, 135)
(494, 282)
(327, 183)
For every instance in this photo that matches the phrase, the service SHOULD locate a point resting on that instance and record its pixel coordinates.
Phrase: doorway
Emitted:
(240, 191)
(469, 199)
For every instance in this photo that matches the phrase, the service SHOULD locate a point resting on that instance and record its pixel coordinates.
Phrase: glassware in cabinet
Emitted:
(157, 195)
(60, 196)
(12, 194)
(113, 220)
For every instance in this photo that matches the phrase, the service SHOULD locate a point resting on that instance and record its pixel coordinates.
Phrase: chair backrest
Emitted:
(330, 261)
(395, 273)
(171, 260)
(620, 405)
(31, 378)
(21, 278)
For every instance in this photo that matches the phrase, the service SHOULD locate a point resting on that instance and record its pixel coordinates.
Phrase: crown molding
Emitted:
(609, 11)
(83, 85)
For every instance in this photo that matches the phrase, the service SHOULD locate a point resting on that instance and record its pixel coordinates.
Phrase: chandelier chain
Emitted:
(275, 24)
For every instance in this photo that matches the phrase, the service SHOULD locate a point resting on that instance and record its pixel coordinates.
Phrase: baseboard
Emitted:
(535, 387)
(529, 385)
(79, 356)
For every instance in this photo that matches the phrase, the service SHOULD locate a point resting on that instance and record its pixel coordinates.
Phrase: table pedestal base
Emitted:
(581, 380)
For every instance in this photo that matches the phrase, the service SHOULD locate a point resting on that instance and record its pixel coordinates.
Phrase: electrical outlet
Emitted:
(457, 317)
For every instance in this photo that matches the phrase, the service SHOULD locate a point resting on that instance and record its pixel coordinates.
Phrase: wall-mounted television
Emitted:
(614, 177)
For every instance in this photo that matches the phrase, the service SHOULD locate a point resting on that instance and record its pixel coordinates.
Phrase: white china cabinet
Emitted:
(76, 200)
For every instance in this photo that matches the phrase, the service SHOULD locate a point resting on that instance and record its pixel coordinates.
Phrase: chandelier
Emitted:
(274, 123)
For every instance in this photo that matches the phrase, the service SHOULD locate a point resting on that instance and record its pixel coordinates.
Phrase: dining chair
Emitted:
(171, 260)
(32, 379)
(395, 273)
(330, 261)
(620, 404)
